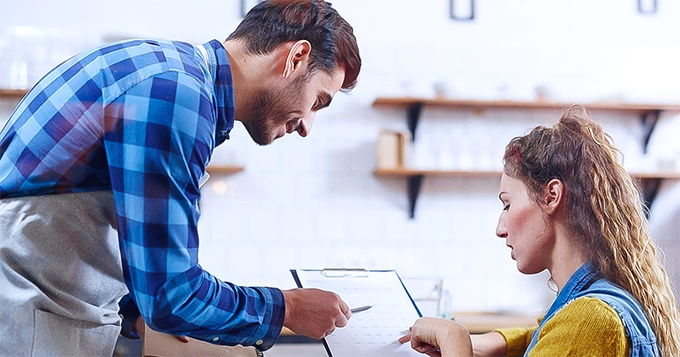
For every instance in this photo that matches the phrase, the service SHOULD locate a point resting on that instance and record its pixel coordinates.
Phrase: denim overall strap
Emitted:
(588, 282)
(578, 280)
(642, 338)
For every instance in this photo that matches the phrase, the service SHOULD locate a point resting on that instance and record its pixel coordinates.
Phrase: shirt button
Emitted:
(216, 338)
(259, 342)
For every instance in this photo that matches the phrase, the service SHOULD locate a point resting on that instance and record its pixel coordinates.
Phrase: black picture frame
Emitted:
(647, 6)
(246, 5)
(462, 10)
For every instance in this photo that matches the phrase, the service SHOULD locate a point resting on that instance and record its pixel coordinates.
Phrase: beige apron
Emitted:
(60, 275)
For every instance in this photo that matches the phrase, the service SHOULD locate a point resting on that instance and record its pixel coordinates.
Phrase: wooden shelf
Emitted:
(224, 169)
(406, 172)
(649, 181)
(661, 175)
(508, 104)
(649, 114)
(12, 93)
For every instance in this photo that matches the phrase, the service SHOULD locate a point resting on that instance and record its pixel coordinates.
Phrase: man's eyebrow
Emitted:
(501, 194)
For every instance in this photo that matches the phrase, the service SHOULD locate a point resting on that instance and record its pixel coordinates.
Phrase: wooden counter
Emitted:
(476, 322)
(482, 322)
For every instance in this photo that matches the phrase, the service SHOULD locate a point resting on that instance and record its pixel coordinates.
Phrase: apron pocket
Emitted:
(56, 335)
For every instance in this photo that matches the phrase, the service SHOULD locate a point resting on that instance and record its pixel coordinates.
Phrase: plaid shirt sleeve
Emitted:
(141, 118)
(158, 138)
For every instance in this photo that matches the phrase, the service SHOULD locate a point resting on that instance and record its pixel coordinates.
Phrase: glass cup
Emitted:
(426, 292)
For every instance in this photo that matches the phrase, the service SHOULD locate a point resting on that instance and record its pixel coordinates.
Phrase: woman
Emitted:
(571, 208)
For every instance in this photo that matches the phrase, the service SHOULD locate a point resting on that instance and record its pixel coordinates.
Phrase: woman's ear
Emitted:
(554, 193)
(297, 55)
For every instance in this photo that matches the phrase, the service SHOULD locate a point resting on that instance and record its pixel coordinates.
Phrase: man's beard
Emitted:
(270, 109)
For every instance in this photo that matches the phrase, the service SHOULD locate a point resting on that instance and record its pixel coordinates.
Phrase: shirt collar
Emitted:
(220, 71)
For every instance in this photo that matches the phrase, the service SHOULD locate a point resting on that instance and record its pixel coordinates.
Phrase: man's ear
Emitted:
(554, 193)
(297, 55)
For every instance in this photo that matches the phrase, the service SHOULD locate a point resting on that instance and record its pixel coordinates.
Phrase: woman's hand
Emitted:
(437, 337)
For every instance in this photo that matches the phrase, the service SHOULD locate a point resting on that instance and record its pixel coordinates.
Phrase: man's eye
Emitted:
(507, 207)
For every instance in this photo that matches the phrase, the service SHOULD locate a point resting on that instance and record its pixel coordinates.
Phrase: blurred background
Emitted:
(318, 202)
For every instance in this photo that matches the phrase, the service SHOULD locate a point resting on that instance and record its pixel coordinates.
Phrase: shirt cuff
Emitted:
(273, 322)
(516, 340)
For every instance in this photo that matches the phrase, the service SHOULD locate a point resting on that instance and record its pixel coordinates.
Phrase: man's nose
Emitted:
(306, 124)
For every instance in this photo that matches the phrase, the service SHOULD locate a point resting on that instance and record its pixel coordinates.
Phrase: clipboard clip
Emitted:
(343, 273)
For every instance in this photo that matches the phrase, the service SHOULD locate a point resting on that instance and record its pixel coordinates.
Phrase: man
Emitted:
(100, 169)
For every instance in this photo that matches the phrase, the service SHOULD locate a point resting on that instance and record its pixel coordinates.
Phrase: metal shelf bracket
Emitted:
(648, 119)
(414, 183)
(413, 116)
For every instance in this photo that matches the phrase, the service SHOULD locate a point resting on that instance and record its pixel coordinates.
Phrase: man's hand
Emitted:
(314, 313)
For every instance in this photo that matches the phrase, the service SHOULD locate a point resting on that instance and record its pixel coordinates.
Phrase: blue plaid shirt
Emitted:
(141, 118)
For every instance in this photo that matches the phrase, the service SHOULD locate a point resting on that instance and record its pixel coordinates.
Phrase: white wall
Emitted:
(315, 203)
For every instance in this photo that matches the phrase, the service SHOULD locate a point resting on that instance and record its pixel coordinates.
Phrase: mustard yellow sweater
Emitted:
(585, 327)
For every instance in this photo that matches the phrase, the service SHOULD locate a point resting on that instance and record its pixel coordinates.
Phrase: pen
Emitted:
(360, 308)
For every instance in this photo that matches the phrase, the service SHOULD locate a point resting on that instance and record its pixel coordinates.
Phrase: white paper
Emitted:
(374, 332)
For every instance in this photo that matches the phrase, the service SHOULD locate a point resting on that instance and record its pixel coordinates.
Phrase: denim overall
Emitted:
(588, 282)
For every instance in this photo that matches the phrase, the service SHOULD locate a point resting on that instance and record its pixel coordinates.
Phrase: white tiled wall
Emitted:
(315, 203)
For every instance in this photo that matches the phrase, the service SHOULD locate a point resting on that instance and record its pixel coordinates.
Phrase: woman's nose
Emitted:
(501, 231)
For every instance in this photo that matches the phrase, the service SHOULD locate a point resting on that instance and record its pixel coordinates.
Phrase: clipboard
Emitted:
(374, 332)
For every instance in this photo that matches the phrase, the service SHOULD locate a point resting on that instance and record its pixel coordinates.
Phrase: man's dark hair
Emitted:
(274, 22)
